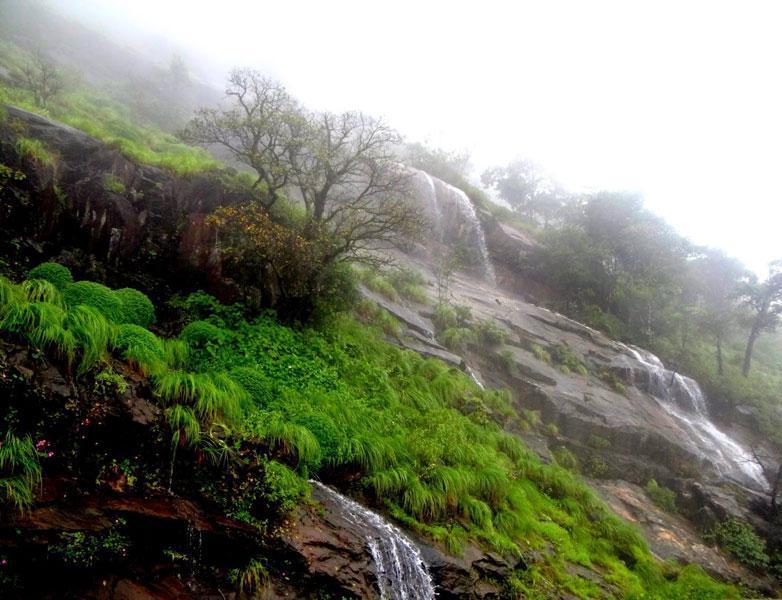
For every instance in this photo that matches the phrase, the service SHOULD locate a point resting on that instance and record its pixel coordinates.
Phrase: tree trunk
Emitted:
(720, 367)
(753, 335)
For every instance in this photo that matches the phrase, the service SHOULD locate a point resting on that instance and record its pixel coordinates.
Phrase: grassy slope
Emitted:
(426, 441)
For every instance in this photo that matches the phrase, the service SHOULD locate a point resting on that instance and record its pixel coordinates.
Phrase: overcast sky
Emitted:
(681, 101)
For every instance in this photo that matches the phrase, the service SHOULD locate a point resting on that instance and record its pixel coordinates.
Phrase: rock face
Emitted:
(132, 218)
(122, 220)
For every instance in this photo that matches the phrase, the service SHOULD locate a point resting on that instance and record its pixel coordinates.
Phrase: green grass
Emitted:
(34, 150)
(112, 122)
(20, 471)
(414, 434)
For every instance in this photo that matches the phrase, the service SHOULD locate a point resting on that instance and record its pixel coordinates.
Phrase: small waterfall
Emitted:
(683, 399)
(401, 572)
(454, 216)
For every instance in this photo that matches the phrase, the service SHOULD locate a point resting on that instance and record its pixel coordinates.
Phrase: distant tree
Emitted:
(717, 280)
(521, 184)
(256, 129)
(452, 167)
(764, 299)
(41, 77)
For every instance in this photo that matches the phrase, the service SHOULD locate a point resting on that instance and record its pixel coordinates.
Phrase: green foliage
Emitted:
(87, 550)
(662, 496)
(96, 295)
(114, 184)
(565, 458)
(20, 471)
(92, 333)
(203, 333)
(283, 487)
(54, 273)
(457, 339)
(136, 307)
(140, 347)
(40, 290)
(213, 396)
(370, 312)
(253, 578)
(738, 538)
(184, 425)
(541, 354)
(488, 334)
(564, 357)
(34, 150)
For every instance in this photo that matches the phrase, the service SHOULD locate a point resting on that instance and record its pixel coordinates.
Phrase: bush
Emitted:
(662, 496)
(201, 333)
(541, 354)
(140, 347)
(54, 273)
(738, 538)
(457, 338)
(97, 296)
(137, 308)
(565, 458)
(34, 150)
(489, 334)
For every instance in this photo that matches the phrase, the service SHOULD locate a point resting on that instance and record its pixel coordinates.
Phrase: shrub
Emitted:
(201, 333)
(92, 332)
(457, 338)
(140, 347)
(565, 458)
(541, 354)
(662, 496)
(34, 150)
(54, 273)
(137, 308)
(283, 487)
(40, 290)
(488, 334)
(21, 471)
(738, 538)
(98, 296)
(113, 184)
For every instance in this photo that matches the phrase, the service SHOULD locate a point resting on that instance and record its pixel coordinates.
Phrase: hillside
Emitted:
(202, 402)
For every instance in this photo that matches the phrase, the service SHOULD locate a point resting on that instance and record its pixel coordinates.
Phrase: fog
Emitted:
(679, 101)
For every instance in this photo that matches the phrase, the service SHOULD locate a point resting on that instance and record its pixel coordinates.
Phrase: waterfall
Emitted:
(454, 216)
(682, 398)
(401, 571)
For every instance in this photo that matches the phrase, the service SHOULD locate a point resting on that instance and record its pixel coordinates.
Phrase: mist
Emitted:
(674, 102)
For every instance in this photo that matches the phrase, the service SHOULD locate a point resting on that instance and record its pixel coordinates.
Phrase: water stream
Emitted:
(682, 398)
(401, 571)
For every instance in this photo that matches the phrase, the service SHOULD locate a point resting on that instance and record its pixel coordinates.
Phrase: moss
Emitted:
(54, 273)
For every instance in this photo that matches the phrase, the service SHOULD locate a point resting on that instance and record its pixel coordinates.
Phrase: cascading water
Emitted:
(449, 204)
(401, 571)
(683, 399)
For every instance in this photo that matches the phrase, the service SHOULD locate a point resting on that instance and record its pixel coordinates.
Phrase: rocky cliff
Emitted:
(128, 224)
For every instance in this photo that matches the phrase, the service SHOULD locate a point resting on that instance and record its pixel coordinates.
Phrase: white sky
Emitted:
(681, 101)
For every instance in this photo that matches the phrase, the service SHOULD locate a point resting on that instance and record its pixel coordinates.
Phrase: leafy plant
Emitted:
(95, 295)
(34, 150)
(54, 273)
(662, 496)
(20, 471)
(136, 307)
(738, 538)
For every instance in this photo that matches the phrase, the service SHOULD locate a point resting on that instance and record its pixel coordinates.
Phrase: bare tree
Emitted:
(343, 168)
(352, 186)
(256, 129)
(41, 77)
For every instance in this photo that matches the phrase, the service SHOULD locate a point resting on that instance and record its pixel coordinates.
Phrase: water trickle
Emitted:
(682, 398)
(401, 571)
(448, 204)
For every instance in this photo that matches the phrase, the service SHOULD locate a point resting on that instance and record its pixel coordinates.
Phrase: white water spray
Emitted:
(401, 571)
(672, 390)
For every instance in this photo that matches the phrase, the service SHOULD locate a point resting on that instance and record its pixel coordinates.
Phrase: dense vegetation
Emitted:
(333, 403)
(266, 405)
